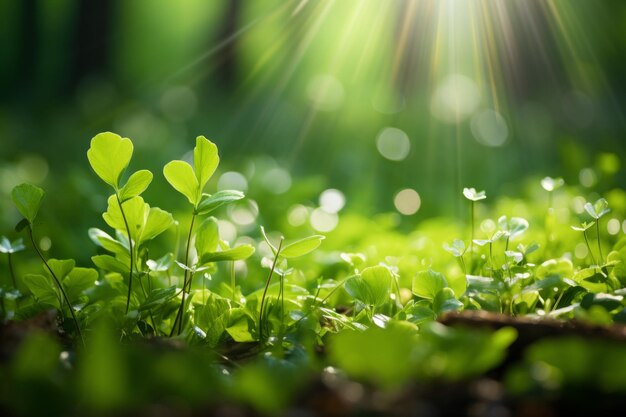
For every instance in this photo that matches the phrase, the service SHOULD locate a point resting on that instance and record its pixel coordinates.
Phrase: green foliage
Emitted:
(109, 155)
(190, 181)
(370, 296)
(27, 198)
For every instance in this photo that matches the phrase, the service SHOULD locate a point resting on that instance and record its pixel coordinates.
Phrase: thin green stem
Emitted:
(267, 285)
(598, 238)
(56, 280)
(179, 315)
(471, 245)
(130, 253)
(145, 294)
(593, 259)
(463, 265)
(232, 278)
(12, 271)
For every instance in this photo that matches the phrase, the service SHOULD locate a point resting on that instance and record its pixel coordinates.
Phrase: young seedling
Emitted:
(473, 196)
(494, 238)
(457, 249)
(27, 198)
(109, 154)
(583, 228)
(190, 182)
(597, 210)
(8, 247)
(550, 185)
(512, 228)
(293, 250)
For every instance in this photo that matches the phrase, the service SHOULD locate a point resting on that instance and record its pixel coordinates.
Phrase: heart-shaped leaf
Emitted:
(514, 226)
(27, 198)
(473, 195)
(61, 267)
(136, 184)
(598, 209)
(550, 184)
(6, 246)
(457, 248)
(378, 280)
(205, 160)
(427, 284)
(181, 176)
(302, 247)
(109, 155)
(79, 280)
(210, 202)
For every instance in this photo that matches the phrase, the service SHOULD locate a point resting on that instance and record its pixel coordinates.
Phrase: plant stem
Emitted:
(130, 253)
(179, 315)
(463, 265)
(593, 259)
(12, 271)
(56, 280)
(598, 238)
(232, 278)
(267, 285)
(471, 245)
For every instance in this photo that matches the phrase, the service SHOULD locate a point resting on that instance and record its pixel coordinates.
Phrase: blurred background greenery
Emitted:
(392, 106)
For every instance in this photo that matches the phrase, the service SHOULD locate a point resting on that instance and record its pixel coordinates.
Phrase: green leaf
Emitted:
(109, 263)
(42, 288)
(136, 184)
(104, 240)
(428, 283)
(79, 280)
(207, 237)
(607, 301)
(473, 195)
(357, 289)
(6, 246)
(205, 160)
(446, 301)
(240, 331)
(109, 155)
(598, 209)
(514, 226)
(374, 354)
(235, 254)
(135, 212)
(157, 297)
(162, 264)
(158, 221)
(61, 267)
(550, 184)
(27, 198)
(457, 249)
(210, 202)
(302, 247)
(180, 175)
(378, 280)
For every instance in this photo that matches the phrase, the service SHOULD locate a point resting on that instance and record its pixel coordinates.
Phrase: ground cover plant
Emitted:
(520, 304)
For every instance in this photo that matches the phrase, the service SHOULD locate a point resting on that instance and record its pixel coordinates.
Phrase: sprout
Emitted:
(551, 184)
(473, 195)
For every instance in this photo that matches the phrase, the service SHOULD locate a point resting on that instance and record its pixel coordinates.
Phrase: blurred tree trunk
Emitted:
(227, 62)
(92, 39)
